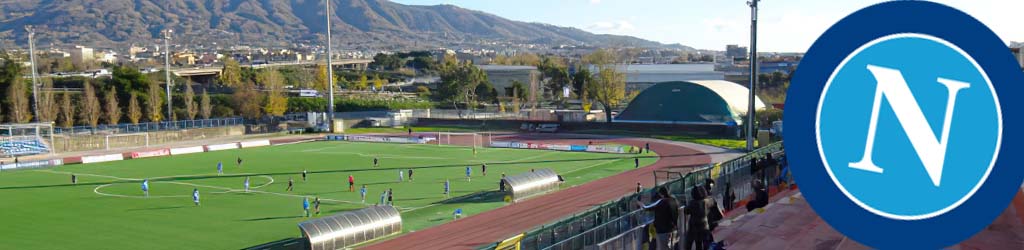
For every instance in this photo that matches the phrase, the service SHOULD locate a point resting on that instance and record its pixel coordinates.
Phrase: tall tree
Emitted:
(362, 84)
(134, 111)
(378, 83)
(555, 69)
(231, 76)
(155, 103)
(90, 105)
(609, 87)
(580, 80)
(205, 109)
(247, 101)
(190, 101)
(459, 81)
(112, 108)
(321, 79)
(10, 71)
(128, 80)
(48, 108)
(67, 111)
(269, 79)
(275, 103)
(17, 98)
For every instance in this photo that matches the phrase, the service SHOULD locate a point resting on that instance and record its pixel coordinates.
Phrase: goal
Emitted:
(126, 140)
(26, 139)
(464, 139)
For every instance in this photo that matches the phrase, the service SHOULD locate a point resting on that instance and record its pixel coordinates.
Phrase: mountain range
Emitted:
(355, 24)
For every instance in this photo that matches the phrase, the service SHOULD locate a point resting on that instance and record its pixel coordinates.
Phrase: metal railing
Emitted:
(470, 114)
(600, 233)
(126, 128)
(610, 223)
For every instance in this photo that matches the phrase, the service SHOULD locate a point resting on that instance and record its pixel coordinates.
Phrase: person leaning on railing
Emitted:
(697, 229)
(665, 217)
(760, 196)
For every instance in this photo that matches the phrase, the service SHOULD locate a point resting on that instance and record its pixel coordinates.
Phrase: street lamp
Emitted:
(35, 74)
(330, 70)
(167, 71)
(753, 74)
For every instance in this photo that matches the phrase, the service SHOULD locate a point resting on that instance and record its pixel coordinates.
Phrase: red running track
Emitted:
(502, 223)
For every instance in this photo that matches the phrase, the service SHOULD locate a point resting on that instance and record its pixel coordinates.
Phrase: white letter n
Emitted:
(931, 150)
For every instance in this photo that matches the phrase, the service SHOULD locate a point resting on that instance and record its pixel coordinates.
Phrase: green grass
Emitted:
(716, 142)
(456, 129)
(41, 210)
(728, 143)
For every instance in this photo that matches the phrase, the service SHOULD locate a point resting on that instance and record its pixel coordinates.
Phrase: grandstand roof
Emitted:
(699, 102)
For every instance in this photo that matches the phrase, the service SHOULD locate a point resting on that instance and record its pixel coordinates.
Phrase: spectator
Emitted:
(770, 164)
(754, 167)
(697, 224)
(714, 212)
(729, 197)
(760, 196)
(666, 214)
(501, 183)
(639, 188)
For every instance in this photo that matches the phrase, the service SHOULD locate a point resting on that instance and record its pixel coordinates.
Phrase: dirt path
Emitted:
(504, 222)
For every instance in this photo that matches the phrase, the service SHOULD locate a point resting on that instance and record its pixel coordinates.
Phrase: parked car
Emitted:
(547, 128)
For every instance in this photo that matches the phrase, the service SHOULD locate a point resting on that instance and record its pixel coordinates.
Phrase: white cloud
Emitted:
(721, 25)
(615, 27)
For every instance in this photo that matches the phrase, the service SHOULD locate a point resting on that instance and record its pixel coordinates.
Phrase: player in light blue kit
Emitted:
(362, 193)
(195, 196)
(145, 187)
(220, 168)
(447, 188)
(246, 184)
(401, 175)
(469, 173)
(305, 205)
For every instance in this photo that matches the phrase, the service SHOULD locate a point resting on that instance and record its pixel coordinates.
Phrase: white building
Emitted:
(81, 55)
(107, 57)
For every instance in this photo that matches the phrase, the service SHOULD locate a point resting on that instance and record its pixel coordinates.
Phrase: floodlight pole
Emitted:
(35, 73)
(330, 70)
(753, 75)
(167, 72)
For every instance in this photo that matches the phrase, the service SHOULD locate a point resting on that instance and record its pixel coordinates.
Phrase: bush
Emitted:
(222, 111)
(347, 105)
(306, 104)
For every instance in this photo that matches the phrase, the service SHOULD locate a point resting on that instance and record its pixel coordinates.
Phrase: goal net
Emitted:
(126, 140)
(25, 139)
(476, 140)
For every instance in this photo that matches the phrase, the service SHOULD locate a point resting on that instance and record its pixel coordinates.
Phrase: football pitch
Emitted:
(41, 209)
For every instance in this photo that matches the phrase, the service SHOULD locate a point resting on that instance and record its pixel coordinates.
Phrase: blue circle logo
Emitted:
(901, 125)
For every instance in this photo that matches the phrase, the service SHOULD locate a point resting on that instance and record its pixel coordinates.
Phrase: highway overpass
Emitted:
(213, 71)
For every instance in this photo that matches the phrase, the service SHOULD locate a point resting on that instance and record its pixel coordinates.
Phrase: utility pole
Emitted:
(753, 75)
(330, 70)
(167, 71)
(35, 73)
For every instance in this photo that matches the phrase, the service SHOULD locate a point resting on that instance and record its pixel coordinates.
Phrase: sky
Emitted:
(783, 25)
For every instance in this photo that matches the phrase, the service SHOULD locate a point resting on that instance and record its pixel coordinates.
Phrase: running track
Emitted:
(499, 224)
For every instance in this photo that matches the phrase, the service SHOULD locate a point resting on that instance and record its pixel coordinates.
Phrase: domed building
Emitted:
(690, 102)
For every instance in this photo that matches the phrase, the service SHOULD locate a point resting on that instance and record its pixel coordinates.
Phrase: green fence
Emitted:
(612, 219)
